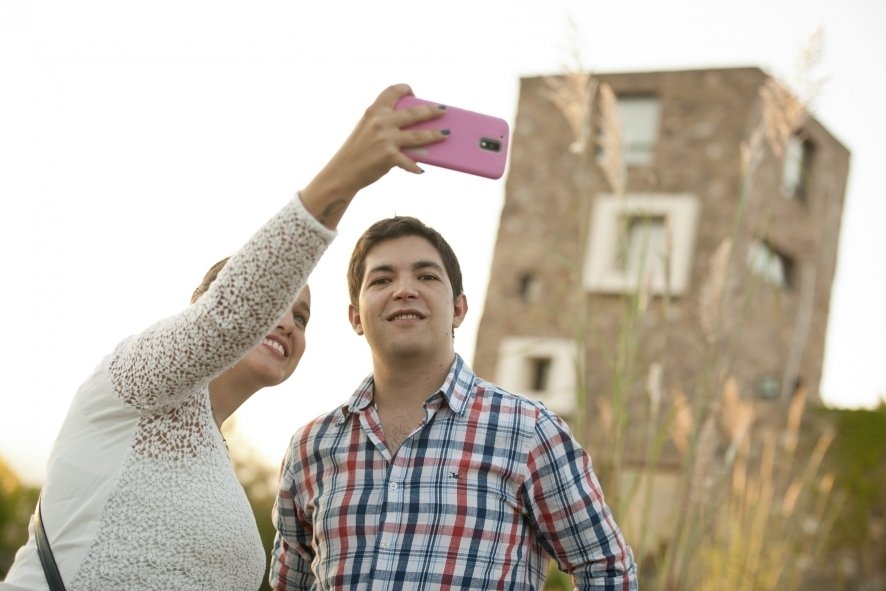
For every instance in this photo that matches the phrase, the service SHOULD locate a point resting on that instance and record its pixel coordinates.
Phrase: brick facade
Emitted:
(768, 337)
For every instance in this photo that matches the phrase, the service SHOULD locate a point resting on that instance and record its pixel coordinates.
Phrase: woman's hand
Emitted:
(373, 148)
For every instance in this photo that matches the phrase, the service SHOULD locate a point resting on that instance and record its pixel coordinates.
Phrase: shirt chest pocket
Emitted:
(456, 491)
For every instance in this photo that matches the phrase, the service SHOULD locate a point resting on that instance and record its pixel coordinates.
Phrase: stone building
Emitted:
(707, 256)
(679, 252)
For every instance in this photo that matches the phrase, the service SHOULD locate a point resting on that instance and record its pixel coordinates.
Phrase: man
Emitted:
(430, 477)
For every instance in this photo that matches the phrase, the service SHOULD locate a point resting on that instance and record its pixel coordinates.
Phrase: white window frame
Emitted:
(602, 273)
(513, 373)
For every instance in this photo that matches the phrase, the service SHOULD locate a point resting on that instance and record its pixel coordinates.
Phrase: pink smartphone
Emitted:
(477, 143)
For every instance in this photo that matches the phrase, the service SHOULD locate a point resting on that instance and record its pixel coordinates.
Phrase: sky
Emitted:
(141, 142)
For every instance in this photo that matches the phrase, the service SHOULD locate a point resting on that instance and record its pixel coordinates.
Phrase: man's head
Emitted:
(406, 287)
(400, 227)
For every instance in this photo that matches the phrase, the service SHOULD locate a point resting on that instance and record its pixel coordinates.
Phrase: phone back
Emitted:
(477, 143)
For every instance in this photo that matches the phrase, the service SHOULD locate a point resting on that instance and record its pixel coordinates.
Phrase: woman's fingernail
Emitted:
(421, 170)
(444, 131)
(441, 107)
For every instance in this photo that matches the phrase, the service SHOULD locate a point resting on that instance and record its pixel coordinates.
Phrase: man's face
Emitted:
(405, 308)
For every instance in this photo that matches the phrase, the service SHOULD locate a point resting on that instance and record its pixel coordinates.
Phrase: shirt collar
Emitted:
(456, 389)
(458, 385)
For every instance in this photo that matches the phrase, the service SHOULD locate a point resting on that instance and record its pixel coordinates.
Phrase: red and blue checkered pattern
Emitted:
(482, 492)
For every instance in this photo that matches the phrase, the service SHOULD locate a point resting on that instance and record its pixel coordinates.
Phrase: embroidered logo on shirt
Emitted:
(453, 474)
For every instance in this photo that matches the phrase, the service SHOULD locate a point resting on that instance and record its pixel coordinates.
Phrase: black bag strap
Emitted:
(50, 569)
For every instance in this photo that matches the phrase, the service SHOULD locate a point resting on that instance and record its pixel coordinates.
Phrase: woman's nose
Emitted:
(286, 323)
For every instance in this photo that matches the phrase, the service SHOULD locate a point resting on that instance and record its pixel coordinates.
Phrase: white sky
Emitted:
(141, 142)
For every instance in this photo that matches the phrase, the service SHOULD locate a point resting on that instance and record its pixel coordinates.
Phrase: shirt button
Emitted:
(394, 486)
(385, 544)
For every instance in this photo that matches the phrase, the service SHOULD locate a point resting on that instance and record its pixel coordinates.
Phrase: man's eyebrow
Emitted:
(380, 269)
(423, 264)
(426, 264)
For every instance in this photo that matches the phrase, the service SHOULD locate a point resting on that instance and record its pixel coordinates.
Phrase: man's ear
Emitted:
(460, 311)
(354, 317)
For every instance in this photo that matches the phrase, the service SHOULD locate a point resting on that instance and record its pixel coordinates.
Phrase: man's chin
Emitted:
(408, 351)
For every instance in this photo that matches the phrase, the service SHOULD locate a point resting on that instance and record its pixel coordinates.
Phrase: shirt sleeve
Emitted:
(162, 364)
(292, 554)
(573, 522)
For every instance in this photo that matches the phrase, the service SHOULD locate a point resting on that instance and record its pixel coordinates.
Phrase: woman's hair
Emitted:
(210, 276)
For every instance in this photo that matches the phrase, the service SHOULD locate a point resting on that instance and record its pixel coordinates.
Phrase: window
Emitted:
(539, 369)
(639, 120)
(529, 288)
(768, 387)
(641, 239)
(639, 116)
(772, 266)
(643, 245)
(795, 175)
(540, 373)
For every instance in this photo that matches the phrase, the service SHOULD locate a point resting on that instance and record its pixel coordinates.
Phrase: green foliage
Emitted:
(17, 502)
(557, 580)
(858, 459)
(259, 481)
(261, 508)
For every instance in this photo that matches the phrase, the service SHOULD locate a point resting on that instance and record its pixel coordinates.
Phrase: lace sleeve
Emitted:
(161, 365)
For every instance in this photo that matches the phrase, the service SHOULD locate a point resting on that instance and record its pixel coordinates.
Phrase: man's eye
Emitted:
(379, 281)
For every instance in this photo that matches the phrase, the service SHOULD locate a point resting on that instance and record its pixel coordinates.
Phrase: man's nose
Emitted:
(405, 288)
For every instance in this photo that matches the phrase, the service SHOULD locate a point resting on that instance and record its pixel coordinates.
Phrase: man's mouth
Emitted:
(405, 316)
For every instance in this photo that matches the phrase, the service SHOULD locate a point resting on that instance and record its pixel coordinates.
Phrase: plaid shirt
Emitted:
(479, 495)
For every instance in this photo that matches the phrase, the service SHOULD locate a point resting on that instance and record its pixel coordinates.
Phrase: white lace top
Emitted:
(140, 492)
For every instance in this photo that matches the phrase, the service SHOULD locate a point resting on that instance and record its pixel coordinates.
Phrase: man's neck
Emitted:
(401, 388)
(406, 383)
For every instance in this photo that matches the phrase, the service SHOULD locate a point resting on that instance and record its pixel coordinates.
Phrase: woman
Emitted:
(140, 492)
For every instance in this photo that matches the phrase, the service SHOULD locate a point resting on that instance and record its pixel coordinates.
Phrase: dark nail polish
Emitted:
(441, 107)
(444, 131)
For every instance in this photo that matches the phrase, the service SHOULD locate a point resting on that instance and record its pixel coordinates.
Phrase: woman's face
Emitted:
(272, 361)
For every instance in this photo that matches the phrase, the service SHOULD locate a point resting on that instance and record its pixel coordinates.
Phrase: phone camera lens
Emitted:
(490, 144)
